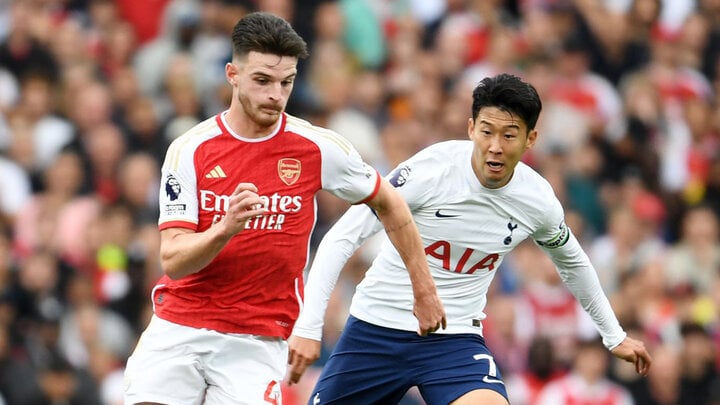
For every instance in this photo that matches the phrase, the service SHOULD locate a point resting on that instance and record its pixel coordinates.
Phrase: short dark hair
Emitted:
(508, 93)
(267, 33)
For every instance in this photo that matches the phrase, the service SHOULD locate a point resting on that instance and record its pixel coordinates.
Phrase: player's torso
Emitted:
(258, 274)
(470, 233)
(285, 170)
(466, 231)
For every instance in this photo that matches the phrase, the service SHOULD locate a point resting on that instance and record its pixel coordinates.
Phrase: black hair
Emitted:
(267, 33)
(508, 93)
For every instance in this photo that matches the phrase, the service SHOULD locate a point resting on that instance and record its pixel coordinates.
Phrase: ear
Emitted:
(471, 127)
(231, 73)
(531, 139)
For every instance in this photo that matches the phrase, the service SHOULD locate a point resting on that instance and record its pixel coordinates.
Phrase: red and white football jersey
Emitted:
(255, 284)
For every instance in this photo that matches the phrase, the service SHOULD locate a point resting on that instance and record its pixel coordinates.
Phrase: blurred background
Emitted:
(93, 91)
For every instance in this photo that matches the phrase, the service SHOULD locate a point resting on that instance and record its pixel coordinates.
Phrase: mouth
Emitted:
(494, 166)
(270, 110)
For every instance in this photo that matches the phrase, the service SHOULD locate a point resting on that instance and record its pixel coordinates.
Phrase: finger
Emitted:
(444, 322)
(291, 357)
(245, 187)
(643, 367)
(248, 200)
(429, 330)
(297, 372)
(255, 213)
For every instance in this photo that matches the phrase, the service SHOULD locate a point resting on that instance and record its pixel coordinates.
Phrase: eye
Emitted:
(287, 83)
(261, 80)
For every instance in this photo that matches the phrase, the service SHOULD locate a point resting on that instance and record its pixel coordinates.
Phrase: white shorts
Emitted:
(175, 364)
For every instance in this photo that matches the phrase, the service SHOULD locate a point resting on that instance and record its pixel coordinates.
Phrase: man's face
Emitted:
(500, 139)
(262, 84)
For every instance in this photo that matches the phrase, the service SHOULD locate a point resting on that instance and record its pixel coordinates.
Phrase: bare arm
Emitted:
(184, 252)
(393, 212)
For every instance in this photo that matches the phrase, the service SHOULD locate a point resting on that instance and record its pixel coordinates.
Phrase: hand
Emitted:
(429, 311)
(302, 352)
(243, 205)
(634, 351)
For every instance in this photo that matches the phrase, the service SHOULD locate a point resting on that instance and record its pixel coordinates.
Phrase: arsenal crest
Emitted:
(289, 170)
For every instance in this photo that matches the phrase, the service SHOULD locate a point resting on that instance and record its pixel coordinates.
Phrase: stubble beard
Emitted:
(258, 114)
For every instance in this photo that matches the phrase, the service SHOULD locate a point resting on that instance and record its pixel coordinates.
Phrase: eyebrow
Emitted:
(513, 125)
(290, 76)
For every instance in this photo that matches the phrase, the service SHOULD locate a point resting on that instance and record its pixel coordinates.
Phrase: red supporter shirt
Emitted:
(255, 284)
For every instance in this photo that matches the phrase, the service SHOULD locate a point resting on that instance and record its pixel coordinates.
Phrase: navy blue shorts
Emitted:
(375, 365)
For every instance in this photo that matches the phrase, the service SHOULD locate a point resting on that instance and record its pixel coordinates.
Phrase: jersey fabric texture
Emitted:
(375, 365)
(255, 283)
(467, 229)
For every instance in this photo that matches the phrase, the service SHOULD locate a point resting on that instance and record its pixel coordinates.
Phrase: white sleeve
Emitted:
(336, 247)
(178, 192)
(344, 173)
(580, 277)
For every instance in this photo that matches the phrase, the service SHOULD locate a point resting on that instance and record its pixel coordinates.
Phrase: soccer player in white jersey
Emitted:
(473, 201)
(237, 210)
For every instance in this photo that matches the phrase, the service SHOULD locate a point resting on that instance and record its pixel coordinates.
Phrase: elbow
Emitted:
(172, 275)
(170, 267)
(170, 270)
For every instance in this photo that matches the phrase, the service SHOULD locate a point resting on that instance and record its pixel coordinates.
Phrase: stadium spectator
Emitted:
(586, 381)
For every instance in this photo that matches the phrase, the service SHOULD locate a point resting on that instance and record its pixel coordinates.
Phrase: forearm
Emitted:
(581, 279)
(403, 233)
(329, 262)
(336, 247)
(185, 252)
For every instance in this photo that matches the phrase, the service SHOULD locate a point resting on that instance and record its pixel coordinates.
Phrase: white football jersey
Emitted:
(466, 229)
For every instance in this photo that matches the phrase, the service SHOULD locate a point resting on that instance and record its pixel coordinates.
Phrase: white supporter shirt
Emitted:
(467, 229)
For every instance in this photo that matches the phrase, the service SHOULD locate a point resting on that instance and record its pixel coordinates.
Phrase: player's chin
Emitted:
(266, 117)
(495, 174)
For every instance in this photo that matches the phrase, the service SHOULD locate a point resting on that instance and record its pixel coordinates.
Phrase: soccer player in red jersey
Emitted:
(237, 210)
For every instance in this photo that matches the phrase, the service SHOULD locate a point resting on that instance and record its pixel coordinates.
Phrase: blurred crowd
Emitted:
(93, 91)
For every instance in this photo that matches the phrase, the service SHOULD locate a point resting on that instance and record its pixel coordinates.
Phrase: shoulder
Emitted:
(442, 156)
(189, 141)
(535, 194)
(435, 164)
(532, 182)
(324, 138)
(199, 133)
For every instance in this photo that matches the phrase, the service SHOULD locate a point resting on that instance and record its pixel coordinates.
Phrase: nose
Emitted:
(275, 91)
(495, 144)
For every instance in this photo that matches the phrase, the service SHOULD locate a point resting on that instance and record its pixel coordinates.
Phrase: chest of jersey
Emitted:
(285, 170)
(470, 234)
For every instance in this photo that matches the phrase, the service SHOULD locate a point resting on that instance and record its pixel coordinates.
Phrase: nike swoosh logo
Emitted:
(492, 380)
(441, 215)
